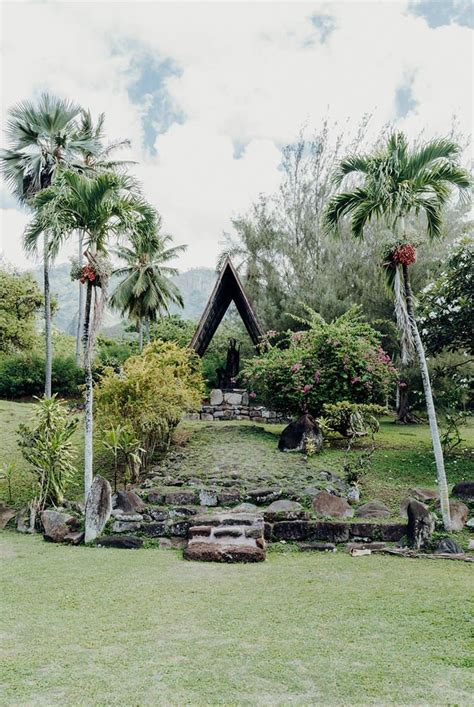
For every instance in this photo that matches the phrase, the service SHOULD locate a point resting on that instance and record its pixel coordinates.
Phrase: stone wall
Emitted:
(234, 404)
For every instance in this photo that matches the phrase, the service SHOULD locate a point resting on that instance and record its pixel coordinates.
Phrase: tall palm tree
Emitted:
(397, 182)
(43, 137)
(95, 157)
(104, 207)
(146, 290)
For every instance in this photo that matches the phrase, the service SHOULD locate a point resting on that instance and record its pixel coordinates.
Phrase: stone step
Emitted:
(227, 537)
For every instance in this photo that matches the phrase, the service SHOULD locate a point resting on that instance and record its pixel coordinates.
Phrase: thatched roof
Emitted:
(228, 288)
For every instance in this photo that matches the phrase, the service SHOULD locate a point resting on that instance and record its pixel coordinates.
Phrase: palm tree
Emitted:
(43, 137)
(103, 207)
(397, 183)
(146, 289)
(93, 161)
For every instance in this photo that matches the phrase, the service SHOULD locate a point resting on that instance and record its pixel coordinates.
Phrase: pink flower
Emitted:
(355, 380)
(297, 335)
(307, 388)
(252, 394)
(296, 367)
(317, 376)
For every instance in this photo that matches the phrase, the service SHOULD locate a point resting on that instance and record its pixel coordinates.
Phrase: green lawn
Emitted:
(82, 626)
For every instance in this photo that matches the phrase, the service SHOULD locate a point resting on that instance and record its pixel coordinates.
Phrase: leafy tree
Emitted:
(146, 290)
(20, 300)
(395, 183)
(326, 363)
(103, 207)
(43, 138)
(447, 305)
(151, 393)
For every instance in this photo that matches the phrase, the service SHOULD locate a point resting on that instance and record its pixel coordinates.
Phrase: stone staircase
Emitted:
(226, 537)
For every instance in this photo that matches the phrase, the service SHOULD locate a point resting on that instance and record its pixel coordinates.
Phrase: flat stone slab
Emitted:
(208, 552)
(227, 537)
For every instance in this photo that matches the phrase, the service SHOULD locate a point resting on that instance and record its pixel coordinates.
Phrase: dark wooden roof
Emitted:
(228, 288)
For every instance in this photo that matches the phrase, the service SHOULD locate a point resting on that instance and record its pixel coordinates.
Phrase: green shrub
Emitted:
(22, 375)
(151, 393)
(326, 363)
(351, 419)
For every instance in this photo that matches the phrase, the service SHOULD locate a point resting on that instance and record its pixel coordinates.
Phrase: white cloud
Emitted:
(249, 74)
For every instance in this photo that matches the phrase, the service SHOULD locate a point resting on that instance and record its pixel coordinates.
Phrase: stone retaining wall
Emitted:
(234, 404)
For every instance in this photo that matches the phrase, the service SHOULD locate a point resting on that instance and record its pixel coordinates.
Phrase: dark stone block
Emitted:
(389, 532)
(329, 531)
(153, 530)
(155, 496)
(180, 498)
(179, 529)
(125, 542)
(215, 552)
(464, 490)
(291, 530)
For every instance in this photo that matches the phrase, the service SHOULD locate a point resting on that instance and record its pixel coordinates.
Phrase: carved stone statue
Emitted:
(226, 376)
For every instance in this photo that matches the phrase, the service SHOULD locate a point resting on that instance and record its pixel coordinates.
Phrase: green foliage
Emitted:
(7, 473)
(46, 445)
(326, 363)
(20, 300)
(447, 305)
(122, 443)
(351, 419)
(22, 375)
(112, 354)
(151, 394)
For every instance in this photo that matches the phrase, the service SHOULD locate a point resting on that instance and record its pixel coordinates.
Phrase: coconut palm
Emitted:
(398, 182)
(146, 290)
(42, 137)
(103, 207)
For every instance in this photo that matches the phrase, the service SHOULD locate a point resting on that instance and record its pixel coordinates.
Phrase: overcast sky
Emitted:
(209, 93)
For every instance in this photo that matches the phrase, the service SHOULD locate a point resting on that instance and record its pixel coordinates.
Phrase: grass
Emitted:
(84, 626)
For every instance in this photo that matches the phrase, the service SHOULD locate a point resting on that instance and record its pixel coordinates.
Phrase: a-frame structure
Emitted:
(228, 288)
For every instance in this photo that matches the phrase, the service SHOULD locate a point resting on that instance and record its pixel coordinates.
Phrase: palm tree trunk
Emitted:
(80, 305)
(88, 416)
(430, 408)
(147, 327)
(140, 334)
(48, 359)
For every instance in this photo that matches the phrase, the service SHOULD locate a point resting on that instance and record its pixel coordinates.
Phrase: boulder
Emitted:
(208, 497)
(125, 542)
(325, 504)
(129, 502)
(423, 494)
(245, 508)
(74, 538)
(98, 508)
(458, 512)
(56, 525)
(447, 546)
(284, 510)
(301, 435)
(421, 525)
(373, 509)
(25, 519)
(216, 397)
(6, 514)
(353, 495)
(464, 490)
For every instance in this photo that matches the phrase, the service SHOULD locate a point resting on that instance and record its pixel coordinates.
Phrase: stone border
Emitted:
(234, 404)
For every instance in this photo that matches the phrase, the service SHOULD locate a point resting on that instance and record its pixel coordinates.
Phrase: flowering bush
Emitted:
(326, 363)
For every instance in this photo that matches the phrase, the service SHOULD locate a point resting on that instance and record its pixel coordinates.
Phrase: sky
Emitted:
(210, 93)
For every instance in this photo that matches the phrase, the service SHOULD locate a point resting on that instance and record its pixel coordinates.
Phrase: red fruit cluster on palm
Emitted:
(87, 273)
(404, 254)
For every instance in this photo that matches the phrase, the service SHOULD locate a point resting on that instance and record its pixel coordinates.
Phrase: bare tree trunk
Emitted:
(140, 334)
(430, 408)
(88, 416)
(147, 328)
(48, 359)
(80, 305)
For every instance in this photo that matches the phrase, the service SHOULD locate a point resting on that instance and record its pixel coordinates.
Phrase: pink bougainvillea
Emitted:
(296, 367)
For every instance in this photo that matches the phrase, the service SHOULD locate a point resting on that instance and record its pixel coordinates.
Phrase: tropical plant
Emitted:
(43, 138)
(396, 184)
(103, 207)
(112, 441)
(20, 300)
(46, 445)
(146, 289)
(325, 363)
(150, 394)
(351, 419)
(7, 472)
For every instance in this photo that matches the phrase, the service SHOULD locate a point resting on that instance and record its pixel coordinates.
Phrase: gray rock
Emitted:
(129, 502)
(180, 498)
(208, 497)
(421, 525)
(353, 495)
(458, 512)
(284, 510)
(6, 514)
(25, 520)
(98, 508)
(325, 504)
(373, 509)
(464, 490)
(245, 508)
(318, 547)
(125, 542)
(264, 495)
(125, 527)
(470, 524)
(76, 537)
(423, 494)
(449, 547)
(56, 525)
(216, 397)
(131, 517)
